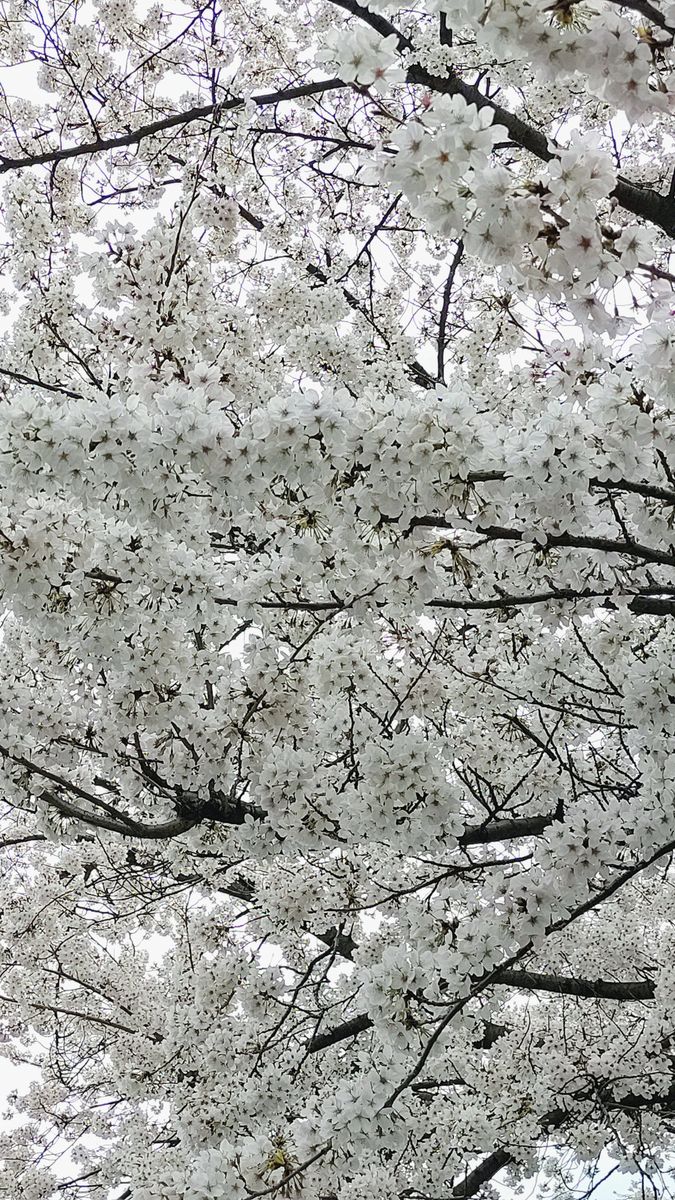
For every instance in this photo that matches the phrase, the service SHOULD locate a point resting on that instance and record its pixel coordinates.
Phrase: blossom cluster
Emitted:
(337, 702)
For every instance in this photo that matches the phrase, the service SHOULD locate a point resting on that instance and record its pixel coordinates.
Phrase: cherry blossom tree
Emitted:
(337, 701)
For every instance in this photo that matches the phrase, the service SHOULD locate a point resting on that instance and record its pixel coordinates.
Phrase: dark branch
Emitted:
(534, 981)
(339, 1033)
(40, 383)
(496, 533)
(646, 10)
(657, 606)
(133, 136)
(506, 829)
(445, 306)
(641, 201)
(483, 1173)
(591, 989)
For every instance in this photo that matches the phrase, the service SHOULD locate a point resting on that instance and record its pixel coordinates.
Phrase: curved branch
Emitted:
(128, 828)
(235, 812)
(230, 814)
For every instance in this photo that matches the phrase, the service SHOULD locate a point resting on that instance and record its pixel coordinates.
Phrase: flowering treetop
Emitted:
(337, 702)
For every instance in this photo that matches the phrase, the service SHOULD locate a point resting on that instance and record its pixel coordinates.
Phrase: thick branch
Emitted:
(641, 201)
(485, 1171)
(563, 985)
(128, 828)
(591, 989)
(506, 829)
(194, 810)
(495, 1162)
(339, 1033)
(359, 1024)
(230, 814)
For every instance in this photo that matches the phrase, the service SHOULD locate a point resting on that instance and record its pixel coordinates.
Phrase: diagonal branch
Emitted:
(40, 383)
(562, 985)
(71, 1012)
(646, 10)
(506, 975)
(485, 1171)
(445, 306)
(642, 201)
(133, 136)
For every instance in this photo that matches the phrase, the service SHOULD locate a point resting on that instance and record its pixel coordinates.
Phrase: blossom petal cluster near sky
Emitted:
(337, 563)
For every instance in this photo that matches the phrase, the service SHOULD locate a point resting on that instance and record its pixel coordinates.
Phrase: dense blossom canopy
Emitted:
(337, 695)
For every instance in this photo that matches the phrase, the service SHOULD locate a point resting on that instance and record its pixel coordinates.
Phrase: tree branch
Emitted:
(657, 606)
(133, 136)
(445, 306)
(496, 533)
(642, 201)
(591, 989)
(646, 10)
(483, 1173)
(562, 985)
